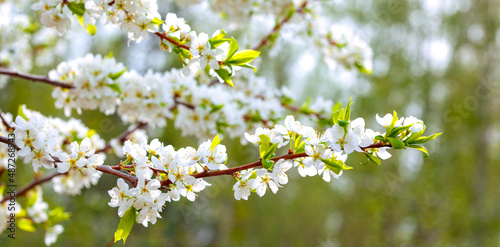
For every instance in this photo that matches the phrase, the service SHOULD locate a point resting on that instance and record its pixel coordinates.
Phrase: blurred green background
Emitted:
(437, 60)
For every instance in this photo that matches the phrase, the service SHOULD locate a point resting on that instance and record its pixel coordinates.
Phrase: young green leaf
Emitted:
(264, 145)
(215, 142)
(396, 131)
(373, 158)
(336, 111)
(91, 29)
(21, 113)
(125, 225)
(424, 151)
(224, 75)
(395, 143)
(157, 21)
(267, 164)
(26, 225)
(115, 87)
(77, 8)
(335, 165)
(233, 47)
(347, 112)
(424, 139)
(242, 57)
(117, 75)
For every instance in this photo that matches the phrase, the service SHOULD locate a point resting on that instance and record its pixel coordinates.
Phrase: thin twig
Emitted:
(177, 102)
(35, 78)
(278, 26)
(7, 125)
(174, 42)
(31, 185)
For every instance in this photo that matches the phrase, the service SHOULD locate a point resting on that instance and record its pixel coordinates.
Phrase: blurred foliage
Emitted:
(450, 199)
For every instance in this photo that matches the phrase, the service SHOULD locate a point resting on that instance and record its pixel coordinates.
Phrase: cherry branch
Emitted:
(232, 171)
(7, 125)
(102, 168)
(32, 184)
(278, 26)
(35, 78)
(163, 36)
(177, 103)
(45, 79)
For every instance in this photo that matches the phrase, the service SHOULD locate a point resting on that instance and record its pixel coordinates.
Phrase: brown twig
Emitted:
(278, 26)
(32, 184)
(177, 103)
(102, 168)
(7, 125)
(172, 41)
(35, 78)
(230, 171)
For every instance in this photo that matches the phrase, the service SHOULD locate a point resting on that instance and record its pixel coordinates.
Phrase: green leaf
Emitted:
(216, 108)
(57, 215)
(270, 151)
(396, 131)
(110, 54)
(117, 75)
(267, 164)
(265, 142)
(91, 29)
(424, 139)
(125, 225)
(300, 148)
(395, 143)
(424, 151)
(115, 87)
(336, 110)
(215, 142)
(224, 74)
(335, 165)
(220, 36)
(218, 39)
(157, 21)
(32, 197)
(90, 133)
(304, 108)
(233, 47)
(26, 225)
(21, 113)
(379, 138)
(77, 8)
(393, 123)
(343, 124)
(362, 68)
(291, 10)
(249, 66)
(414, 136)
(347, 112)
(242, 57)
(373, 158)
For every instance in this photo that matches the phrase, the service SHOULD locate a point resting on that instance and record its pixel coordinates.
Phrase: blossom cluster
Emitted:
(323, 153)
(340, 46)
(35, 214)
(134, 17)
(67, 146)
(21, 40)
(162, 163)
(102, 83)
